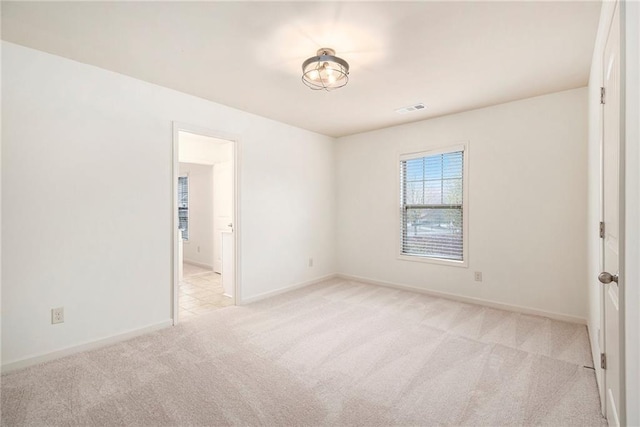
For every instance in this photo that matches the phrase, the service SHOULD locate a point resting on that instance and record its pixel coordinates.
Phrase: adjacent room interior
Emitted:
(205, 204)
(320, 213)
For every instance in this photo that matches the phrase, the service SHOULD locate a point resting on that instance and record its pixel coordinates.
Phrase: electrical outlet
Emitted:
(57, 315)
(478, 276)
(310, 262)
(198, 249)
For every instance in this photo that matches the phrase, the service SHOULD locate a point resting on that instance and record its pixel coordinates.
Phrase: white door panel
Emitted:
(610, 212)
(222, 208)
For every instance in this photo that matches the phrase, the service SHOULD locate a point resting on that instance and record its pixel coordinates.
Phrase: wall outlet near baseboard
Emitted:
(57, 315)
(477, 276)
(310, 262)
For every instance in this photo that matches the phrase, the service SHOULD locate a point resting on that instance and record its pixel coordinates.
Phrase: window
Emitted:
(432, 205)
(183, 206)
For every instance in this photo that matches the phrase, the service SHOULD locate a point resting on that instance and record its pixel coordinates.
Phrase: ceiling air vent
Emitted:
(410, 108)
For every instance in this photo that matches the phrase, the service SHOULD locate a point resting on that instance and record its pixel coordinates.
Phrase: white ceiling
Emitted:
(203, 150)
(452, 56)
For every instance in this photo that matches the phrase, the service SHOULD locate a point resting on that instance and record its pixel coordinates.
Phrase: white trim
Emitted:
(616, 420)
(285, 289)
(470, 300)
(632, 211)
(621, 416)
(433, 152)
(175, 223)
(237, 164)
(455, 146)
(198, 264)
(86, 346)
(433, 260)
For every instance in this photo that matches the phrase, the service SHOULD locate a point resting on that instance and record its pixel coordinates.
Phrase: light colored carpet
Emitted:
(336, 353)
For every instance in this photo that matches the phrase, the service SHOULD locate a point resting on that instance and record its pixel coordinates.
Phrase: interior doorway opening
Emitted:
(204, 223)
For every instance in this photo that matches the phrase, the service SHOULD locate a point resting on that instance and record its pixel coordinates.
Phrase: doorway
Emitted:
(203, 229)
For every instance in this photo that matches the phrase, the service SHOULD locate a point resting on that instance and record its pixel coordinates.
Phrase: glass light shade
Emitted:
(325, 71)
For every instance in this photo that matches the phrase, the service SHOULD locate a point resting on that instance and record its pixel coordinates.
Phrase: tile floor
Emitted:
(200, 292)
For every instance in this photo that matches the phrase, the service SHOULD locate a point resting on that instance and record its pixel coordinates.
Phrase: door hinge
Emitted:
(602, 95)
(602, 229)
(603, 361)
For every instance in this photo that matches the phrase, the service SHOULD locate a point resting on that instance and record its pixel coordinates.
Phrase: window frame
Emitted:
(185, 175)
(402, 156)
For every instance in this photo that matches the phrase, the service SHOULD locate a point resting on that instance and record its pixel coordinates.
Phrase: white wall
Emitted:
(199, 248)
(85, 228)
(527, 203)
(203, 150)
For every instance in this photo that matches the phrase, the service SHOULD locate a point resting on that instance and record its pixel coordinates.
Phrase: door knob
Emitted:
(605, 277)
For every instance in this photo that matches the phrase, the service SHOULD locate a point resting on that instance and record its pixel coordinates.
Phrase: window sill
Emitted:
(438, 261)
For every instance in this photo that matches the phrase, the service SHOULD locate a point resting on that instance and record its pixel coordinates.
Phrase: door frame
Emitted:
(622, 206)
(235, 144)
(622, 412)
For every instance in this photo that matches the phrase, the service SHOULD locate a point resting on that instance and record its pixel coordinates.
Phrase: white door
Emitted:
(222, 208)
(610, 211)
(228, 273)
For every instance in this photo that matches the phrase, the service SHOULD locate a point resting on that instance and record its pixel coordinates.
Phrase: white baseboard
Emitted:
(198, 264)
(86, 346)
(286, 289)
(471, 300)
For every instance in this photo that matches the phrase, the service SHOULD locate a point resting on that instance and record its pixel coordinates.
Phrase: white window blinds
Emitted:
(432, 205)
(183, 206)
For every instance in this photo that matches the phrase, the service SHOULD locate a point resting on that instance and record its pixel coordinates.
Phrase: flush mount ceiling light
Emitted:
(325, 71)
